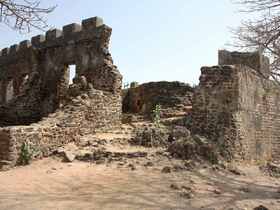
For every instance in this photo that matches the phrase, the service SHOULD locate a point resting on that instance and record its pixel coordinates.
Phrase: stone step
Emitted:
(104, 155)
(112, 135)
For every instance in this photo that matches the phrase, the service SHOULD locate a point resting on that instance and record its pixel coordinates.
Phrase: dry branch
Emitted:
(24, 15)
(262, 32)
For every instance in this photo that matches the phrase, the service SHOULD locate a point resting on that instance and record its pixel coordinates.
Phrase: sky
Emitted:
(152, 40)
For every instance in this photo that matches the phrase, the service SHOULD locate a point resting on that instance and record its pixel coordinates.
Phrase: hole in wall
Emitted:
(72, 73)
(23, 83)
(25, 78)
(10, 91)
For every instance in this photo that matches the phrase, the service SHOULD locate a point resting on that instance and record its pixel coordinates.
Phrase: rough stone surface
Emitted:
(175, 98)
(36, 94)
(255, 60)
(238, 109)
(193, 147)
(69, 156)
(34, 81)
(166, 170)
(271, 169)
(151, 136)
(261, 207)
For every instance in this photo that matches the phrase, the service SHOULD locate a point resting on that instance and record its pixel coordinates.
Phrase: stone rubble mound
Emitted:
(186, 146)
(271, 169)
(151, 136)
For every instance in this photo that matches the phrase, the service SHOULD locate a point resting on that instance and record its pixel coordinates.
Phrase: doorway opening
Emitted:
(72, 73)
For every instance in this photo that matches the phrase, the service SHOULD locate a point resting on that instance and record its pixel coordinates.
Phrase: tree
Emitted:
(23, 15)
(262, 31)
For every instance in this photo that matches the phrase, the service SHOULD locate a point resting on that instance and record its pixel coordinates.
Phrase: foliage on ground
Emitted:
(27, 153)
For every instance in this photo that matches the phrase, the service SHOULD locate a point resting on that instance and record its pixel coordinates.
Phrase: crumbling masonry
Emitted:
(38, 105)
(237, 107)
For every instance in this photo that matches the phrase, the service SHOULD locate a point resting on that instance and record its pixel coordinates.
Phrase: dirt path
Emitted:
(51, 184)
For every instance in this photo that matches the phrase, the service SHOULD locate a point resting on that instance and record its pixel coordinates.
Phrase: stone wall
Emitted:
(38, 105)
(259, 116)
(238, 108)
(255, 60)
(175, 98)
(214, 102)
(34, 75)
(91, 112)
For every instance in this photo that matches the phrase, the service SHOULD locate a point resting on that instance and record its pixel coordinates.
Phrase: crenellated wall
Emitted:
(38, 104)
(255, 60)
(34, 75)
(238, 108)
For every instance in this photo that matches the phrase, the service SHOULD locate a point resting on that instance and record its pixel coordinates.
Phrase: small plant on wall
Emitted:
(156, 112)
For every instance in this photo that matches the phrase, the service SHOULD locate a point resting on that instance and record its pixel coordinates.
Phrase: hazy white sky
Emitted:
(152, 40)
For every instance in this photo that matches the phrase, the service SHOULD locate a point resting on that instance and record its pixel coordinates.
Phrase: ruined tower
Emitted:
(40, 105)
(237, 106)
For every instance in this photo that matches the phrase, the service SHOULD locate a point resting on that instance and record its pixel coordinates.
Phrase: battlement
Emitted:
(255, 60)
(70, 71)
(89, 29)
(35, 74)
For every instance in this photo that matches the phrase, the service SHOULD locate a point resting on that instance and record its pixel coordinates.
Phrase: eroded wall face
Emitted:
(93, 111)
(33, 75)
(175, 98)
(214, 106)
(36, 99)
(239, 109)
(259, 116)
(255, 60)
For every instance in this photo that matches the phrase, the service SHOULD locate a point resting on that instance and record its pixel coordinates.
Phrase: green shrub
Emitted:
(156, 112)
(27, 153)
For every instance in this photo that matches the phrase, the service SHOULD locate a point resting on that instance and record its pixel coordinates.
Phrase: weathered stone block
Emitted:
(255, 60)
(92, 23)
(38, 40)
(14, 48)
(5, 51)
(25, 44)
(71, 28)
(53, 34)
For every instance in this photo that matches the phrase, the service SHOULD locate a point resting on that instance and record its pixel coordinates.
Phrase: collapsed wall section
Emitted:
(38, 103)
(66, 125)
(34, 76)
(175, 98)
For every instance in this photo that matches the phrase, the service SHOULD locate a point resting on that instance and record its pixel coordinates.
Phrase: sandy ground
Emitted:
(52, 184)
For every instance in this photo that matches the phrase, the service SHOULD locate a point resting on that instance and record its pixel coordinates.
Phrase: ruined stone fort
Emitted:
(235, 105)
(37, 102)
